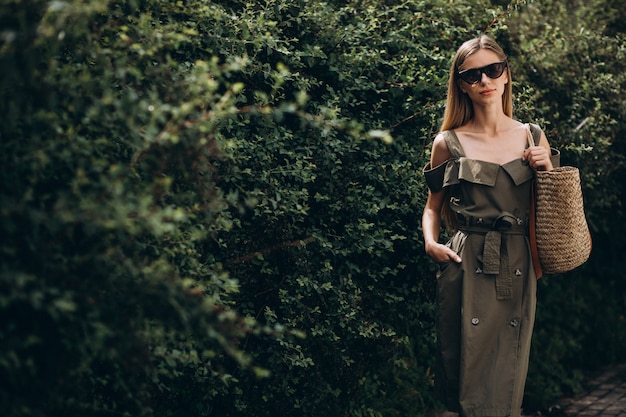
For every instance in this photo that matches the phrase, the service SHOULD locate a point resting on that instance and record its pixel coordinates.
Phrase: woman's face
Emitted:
(485, 89)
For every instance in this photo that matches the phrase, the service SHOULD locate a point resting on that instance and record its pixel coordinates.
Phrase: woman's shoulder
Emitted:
(441, 150)
(532, 124)
(440, 141)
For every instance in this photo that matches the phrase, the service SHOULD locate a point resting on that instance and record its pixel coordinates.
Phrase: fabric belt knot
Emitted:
(493, 259)
(492, 256)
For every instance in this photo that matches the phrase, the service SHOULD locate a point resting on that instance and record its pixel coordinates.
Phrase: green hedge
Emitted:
(573, 59)
(212, 208)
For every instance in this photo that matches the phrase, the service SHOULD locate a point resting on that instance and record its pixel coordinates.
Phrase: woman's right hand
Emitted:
(442, 253)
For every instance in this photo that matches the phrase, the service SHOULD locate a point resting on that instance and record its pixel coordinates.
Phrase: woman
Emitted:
(479, 178)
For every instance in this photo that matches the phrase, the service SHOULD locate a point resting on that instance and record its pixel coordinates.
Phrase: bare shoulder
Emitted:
(440, 152)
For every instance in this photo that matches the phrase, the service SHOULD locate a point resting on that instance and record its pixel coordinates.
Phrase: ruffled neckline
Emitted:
(455, 170)
(485, 172)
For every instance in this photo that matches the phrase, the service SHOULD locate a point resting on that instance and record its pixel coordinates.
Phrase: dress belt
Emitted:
(505, 224)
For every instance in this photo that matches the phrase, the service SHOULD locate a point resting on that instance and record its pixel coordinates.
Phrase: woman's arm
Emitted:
(431, 218)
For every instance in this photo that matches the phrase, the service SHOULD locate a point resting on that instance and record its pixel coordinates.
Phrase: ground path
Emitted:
(604, 396)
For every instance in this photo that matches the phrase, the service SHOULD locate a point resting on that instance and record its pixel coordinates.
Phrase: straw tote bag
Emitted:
(559, 234)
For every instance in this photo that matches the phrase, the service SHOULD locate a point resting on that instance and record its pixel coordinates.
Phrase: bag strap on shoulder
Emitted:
(536, 132)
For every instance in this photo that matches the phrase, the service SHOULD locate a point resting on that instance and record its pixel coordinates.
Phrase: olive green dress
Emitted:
(486, 303)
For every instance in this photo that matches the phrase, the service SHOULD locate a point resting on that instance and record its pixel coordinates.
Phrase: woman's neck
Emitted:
(490, 122)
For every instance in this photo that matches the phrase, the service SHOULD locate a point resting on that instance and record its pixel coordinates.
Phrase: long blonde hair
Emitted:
(459, 108)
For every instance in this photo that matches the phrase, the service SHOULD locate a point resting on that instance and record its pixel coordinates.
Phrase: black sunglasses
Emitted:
(474, 75)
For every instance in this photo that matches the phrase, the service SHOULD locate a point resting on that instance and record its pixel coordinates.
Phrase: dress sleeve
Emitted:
(434, 177)
(441, 176)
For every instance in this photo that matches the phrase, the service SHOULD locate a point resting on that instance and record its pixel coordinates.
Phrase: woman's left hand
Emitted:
(538, 157)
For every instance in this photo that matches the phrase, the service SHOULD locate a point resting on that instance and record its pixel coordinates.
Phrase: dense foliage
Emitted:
(211, 208)
(572, 54)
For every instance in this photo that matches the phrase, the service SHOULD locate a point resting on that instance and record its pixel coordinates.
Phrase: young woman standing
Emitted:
(479, 179)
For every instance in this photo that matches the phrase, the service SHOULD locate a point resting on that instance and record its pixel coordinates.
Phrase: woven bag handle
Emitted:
(532, 141)
(529, 136)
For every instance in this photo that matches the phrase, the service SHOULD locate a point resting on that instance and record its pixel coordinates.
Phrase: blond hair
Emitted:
(459, 107)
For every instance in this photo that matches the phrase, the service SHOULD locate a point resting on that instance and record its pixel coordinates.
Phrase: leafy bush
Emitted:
(212, 208)
(575, 78)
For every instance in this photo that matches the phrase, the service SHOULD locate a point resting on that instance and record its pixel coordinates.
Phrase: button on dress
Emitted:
(486, 303)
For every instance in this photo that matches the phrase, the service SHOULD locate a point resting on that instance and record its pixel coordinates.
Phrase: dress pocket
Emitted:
(456, 243)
